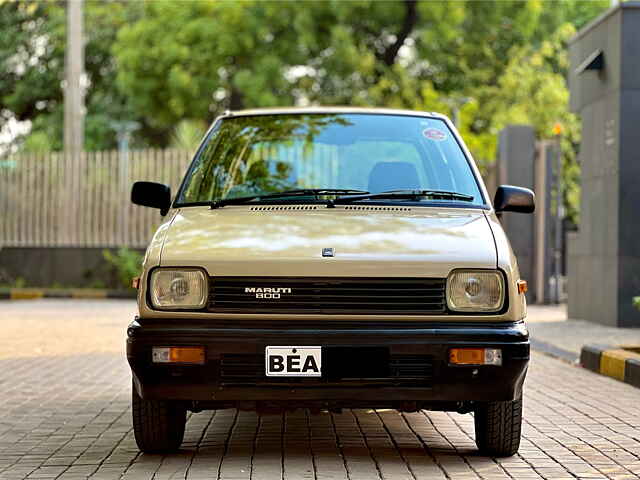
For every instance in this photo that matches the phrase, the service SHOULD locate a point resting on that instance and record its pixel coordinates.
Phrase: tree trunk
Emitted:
(390, 54)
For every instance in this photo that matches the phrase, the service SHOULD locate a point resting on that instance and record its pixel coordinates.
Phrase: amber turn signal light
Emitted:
(475, 356)
(522, 286)
(178, 355)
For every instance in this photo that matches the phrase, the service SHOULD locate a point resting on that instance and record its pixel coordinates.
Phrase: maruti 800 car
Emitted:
(330, 258)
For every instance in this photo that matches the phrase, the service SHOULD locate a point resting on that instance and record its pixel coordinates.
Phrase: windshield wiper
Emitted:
(405, 195)
(303, 192)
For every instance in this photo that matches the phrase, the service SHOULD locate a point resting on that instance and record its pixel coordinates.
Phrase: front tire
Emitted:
(498, 427)
(158, 425)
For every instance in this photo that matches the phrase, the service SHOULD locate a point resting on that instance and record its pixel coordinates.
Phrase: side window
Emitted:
(199, 179)
(445, 159)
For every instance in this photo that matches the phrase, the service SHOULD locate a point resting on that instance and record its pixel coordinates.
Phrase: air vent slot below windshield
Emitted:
(283, 207)
(359, 208)
(378, 209)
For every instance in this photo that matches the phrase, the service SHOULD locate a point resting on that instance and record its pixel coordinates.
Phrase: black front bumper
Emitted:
(414, 365)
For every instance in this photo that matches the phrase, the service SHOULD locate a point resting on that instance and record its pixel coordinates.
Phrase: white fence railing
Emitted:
(62, 200)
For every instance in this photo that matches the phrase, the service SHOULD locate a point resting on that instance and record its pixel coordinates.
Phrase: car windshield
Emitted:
(265, 154)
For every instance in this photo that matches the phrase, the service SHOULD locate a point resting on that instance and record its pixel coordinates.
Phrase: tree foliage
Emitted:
(32, 46)
(188, 60)
(171, 66)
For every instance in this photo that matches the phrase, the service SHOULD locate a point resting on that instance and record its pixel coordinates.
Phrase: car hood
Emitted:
(367, 240)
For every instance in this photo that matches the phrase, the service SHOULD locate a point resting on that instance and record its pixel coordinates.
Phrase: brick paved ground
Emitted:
(66, 415)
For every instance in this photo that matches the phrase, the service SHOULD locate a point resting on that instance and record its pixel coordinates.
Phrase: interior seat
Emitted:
(387, 176)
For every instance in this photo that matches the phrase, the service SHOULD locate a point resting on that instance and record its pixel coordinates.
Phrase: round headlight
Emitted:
(173, 288)
(475, 291)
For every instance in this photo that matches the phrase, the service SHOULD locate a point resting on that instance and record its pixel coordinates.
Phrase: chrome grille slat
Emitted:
(330, 295)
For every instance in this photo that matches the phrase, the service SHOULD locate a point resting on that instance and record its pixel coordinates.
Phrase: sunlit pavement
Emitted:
(64, 413)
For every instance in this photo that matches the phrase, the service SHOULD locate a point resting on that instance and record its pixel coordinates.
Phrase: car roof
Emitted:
(319, 110)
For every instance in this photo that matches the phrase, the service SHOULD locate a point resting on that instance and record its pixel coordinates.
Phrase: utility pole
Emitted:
(74, 80)
(73, 118)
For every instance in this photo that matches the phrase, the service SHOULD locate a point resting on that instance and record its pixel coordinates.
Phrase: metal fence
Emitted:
(55, 199)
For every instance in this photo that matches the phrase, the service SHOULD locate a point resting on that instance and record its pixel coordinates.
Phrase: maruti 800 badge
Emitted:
(267, 292)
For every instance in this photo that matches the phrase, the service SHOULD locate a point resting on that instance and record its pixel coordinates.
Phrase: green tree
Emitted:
(533, 90)
(171, 66)
(32, 47)
(29, 62)
(187, 134)
(191, 60)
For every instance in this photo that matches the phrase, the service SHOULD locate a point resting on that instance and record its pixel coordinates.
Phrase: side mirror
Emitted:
(152, 194)
(514, 199)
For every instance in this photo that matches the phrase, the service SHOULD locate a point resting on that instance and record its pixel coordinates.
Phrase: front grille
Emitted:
(381, 296)
(340, 365)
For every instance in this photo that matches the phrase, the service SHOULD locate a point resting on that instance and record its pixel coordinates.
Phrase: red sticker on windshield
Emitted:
(434, 134)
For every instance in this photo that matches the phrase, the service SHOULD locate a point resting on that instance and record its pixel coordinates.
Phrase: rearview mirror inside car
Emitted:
(152, 194)
(514, 199)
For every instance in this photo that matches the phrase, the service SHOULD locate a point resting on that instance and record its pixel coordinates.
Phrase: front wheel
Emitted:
(158, 425)
(498, 427)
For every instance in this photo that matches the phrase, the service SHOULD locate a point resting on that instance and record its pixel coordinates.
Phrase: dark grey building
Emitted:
(604, 256)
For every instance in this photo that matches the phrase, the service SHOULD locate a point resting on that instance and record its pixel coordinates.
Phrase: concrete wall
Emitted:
(604, 262)
(67, 267)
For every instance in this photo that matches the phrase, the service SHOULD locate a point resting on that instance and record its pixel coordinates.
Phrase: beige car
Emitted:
(330, 258)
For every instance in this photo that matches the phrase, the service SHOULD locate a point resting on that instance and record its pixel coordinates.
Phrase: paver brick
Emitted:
(66, 415)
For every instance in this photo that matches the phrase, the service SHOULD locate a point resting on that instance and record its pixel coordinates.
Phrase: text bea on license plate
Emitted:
(291, 361)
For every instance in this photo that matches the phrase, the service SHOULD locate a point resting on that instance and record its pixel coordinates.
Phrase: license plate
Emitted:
(293, 361)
